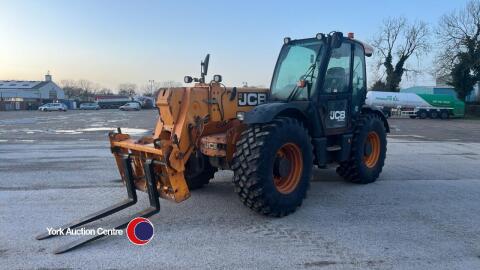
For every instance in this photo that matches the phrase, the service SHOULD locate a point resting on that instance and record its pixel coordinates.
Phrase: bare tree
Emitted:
(67, 83)
(150, 88)
(85, 85)
(70, 88)
(170, 84)
(397, 41)
(378, 85)
(127, 89)
(459, 57)
(83, 90)
(104, 91)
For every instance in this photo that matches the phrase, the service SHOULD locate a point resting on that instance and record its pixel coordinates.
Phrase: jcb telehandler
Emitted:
(313, 114)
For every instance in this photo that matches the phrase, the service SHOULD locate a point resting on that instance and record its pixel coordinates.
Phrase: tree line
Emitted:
(456, 39)
(86, 90)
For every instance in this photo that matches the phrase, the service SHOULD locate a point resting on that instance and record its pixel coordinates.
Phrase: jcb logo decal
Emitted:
(337, 115)
(251, 99)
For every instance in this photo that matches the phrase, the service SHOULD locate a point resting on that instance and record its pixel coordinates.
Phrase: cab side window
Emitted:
(337, 78)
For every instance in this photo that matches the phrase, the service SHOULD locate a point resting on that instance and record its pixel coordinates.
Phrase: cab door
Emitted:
(359, 80)
(335, 98)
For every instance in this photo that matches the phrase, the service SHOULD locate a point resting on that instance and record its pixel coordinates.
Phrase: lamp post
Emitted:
(151, 85)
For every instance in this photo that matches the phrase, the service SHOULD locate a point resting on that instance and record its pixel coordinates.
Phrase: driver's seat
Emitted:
(335, 80)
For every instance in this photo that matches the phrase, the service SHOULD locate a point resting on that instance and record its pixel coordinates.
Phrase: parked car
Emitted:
(53, 107)
(89, 106)
(130, 106)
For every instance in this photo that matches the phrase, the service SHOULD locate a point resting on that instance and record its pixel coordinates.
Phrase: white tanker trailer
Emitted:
(417, 105)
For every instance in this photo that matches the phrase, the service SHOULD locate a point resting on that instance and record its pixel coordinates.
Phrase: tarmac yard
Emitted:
(422, 213)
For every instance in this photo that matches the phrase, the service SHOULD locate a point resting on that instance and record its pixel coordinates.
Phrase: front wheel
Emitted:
(367, 156)
(198, 171)
(272, 166)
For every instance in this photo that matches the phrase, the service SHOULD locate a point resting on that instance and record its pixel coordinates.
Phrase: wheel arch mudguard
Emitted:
(302, 111)
(375, 110)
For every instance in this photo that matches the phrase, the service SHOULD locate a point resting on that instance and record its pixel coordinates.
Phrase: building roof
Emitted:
(11, 84)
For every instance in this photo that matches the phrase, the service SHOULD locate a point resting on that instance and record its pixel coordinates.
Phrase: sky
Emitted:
(114, 42)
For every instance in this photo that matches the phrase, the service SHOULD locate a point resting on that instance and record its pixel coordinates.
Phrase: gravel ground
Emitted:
(421, 214)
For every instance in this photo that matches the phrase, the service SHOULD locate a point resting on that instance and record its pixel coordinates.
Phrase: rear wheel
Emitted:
(434, 114)
(368, 151)
(273, 166)
(444, 115)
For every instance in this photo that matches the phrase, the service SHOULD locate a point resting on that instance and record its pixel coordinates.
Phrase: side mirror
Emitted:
(336, 39)
(204, 67)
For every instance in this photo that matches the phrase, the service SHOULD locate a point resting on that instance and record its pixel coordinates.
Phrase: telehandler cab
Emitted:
(313, 114)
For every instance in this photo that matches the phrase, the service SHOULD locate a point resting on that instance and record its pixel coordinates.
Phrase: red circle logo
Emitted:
(140, 231)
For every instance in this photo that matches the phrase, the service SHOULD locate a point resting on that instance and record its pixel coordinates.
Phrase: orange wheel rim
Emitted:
(292, 155)
(371, 157)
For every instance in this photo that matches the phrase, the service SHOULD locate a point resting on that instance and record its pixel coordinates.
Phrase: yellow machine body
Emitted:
(202, 117)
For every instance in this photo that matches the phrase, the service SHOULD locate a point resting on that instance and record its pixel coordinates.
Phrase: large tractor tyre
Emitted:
(198, 173)
(367, 156)
(273, 166)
